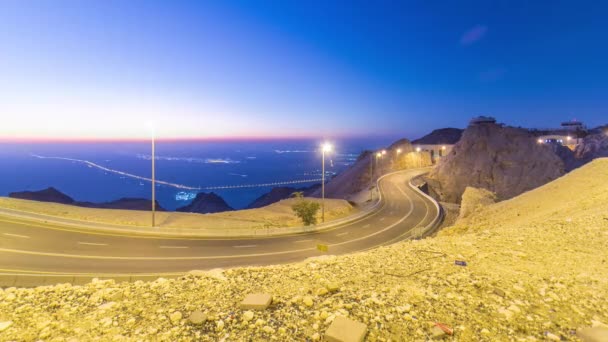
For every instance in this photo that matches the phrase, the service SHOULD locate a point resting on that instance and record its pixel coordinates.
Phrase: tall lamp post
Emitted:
(153, 176)
(325, 148)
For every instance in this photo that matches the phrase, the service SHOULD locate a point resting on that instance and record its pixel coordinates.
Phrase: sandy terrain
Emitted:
(536, 269)
(275, 215)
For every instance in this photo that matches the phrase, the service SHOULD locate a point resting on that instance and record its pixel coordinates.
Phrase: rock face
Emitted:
(593, 146)
(399, 156)
(47, 195)
(441, 136)
(53, 195)
(504, 160)
(206, 203)
(280, 193)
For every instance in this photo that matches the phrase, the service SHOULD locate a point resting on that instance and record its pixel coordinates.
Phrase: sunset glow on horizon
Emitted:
(229, 70)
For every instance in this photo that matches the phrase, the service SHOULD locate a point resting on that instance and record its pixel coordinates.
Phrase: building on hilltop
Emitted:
(480, 120)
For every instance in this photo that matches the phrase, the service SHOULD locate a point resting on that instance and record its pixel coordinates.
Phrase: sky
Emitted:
(112, 69)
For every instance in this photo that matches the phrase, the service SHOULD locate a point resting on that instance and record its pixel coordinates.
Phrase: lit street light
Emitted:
(153, 174)
(325, 148)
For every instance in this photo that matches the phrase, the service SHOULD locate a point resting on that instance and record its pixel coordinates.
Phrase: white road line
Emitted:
(382, 219)
(92, 243)
(342, 234)
(17, 235)
(245, 246)
(367, 225)
(177, 247)
(307, 240)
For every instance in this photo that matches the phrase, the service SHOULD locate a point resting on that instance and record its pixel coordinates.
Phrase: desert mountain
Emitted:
(206, 203)
(53, 195)
(505, 160)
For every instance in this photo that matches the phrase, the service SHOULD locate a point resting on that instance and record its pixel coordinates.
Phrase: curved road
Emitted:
(29, 246)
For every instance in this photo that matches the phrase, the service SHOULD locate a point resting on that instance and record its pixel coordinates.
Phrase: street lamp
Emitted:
(153, 175)
(325, 148)
(398, 150)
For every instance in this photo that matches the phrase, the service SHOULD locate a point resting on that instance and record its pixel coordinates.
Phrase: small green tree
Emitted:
(307, 211)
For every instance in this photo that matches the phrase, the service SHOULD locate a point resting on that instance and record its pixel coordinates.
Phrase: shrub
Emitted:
(307, 211)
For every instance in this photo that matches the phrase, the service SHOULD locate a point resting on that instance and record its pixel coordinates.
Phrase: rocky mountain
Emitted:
(280, 193)
(47, 195)
(399, 156)
(53, 195)
(505, 160)
(206, 203)
(448, 136)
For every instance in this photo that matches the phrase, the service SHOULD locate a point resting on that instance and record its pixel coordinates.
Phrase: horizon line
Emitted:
(76, 139)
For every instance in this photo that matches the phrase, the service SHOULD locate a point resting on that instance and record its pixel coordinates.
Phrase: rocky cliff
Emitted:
(206, 203)
(505, 160)
(441, 136)
(55, 196)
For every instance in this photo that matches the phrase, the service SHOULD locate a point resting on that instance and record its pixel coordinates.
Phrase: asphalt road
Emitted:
(29, 246)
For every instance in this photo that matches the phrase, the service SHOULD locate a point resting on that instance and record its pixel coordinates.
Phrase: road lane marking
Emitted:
(92, 243)
(341, 234)
(307, 240)
(17, 235)
(382, 219)
(367, 225)
(245, 246)
(178, 247)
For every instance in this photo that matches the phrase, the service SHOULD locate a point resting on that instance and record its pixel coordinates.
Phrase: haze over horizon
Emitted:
(103, 70)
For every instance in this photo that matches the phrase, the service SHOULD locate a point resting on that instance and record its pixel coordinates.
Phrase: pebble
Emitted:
(308, 301)
(197, 317)
(248, 316)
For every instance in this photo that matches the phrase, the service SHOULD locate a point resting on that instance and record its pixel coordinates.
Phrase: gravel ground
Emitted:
(534, 271)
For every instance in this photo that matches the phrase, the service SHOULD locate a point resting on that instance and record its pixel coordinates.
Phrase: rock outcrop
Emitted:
(473, 199)
(593, 146)
(280, 193)
(55, 196)
(448, 136)
(505, 160)
(206, 203)
(47, 195)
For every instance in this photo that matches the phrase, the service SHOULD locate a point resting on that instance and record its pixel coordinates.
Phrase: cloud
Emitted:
(473, 35)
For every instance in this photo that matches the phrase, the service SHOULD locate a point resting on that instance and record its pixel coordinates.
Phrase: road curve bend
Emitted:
(35, 247)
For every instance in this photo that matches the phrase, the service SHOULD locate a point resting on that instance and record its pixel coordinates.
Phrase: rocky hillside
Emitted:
(529, 269)
(47, 195)
(55, 196)
(448, 136)
(593, 146)
(206, 203)
(280, 193)
(505, 160)
(400, 155)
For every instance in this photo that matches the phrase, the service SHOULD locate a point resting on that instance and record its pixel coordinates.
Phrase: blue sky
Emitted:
(297, 68)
